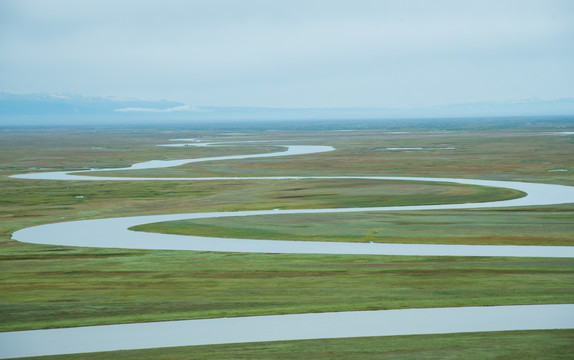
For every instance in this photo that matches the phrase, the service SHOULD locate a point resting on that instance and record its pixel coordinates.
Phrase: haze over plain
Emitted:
(290, 54)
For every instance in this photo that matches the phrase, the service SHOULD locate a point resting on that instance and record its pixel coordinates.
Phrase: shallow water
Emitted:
(285, 327)
(156, 164)
(114, 232)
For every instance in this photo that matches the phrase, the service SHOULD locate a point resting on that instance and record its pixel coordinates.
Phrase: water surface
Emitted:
(114, 233)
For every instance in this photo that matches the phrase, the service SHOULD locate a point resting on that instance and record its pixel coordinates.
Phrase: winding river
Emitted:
(115, 233)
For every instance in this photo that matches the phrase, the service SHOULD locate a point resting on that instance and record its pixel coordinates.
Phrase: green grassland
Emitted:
(529, 226)
(513, 154)
(58, 287)
(52, 286)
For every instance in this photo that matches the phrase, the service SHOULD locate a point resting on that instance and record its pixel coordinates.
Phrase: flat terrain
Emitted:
(51, 286)
(528, 226)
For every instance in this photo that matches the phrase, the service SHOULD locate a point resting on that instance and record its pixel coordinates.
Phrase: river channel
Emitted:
(115, 233)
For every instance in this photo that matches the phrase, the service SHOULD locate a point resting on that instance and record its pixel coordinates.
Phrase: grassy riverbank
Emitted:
(50, 286)
(61, 287)
(518, 226)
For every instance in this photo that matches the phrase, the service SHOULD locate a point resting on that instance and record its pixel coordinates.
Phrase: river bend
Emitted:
(114, 233)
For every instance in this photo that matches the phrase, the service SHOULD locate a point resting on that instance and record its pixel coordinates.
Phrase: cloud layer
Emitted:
(295, 53)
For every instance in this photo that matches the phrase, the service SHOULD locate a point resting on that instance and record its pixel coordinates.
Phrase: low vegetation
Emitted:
(51, 286)
(61, 287)
(549, 225)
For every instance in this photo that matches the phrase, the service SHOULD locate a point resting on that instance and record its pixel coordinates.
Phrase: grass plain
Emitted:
(528, 226)
(51, 286)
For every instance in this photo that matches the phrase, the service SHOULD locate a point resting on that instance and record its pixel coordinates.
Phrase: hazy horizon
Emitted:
(291, 54)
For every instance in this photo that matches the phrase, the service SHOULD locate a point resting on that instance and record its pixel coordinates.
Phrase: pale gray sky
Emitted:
(290, 53)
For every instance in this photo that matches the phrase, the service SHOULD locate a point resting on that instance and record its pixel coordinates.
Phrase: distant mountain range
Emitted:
(52, 104)
(56, 109)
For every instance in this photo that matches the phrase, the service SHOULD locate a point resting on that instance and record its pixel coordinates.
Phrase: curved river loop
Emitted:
(115, 233)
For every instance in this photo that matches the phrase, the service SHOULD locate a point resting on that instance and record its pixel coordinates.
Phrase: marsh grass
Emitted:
(530, 226)
(46, 286)
(496, 155)
(51, 286)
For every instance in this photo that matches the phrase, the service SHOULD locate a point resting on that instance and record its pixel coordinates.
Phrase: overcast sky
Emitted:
(290, 53)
